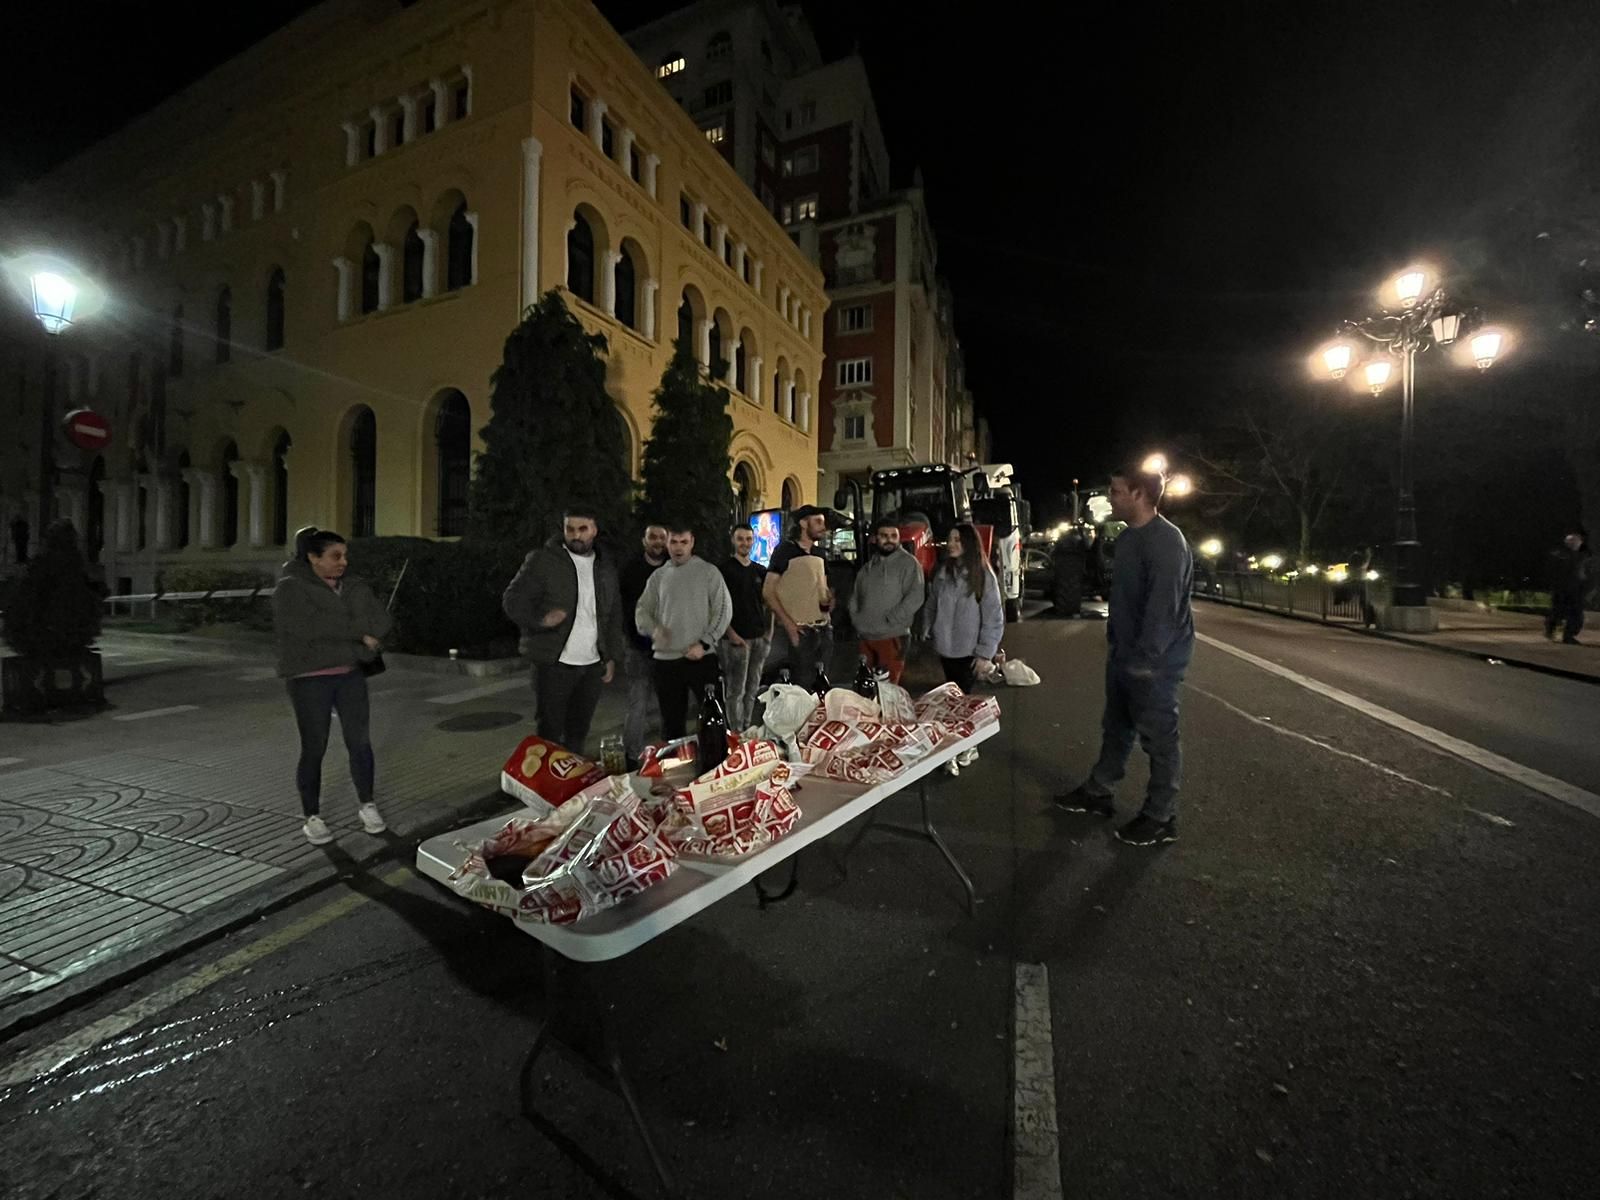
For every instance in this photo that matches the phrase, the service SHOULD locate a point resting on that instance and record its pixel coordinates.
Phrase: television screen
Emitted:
(767, 525)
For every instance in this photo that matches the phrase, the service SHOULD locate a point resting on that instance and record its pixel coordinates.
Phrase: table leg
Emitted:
(764, 897)
(933, 836)
(614, 1061)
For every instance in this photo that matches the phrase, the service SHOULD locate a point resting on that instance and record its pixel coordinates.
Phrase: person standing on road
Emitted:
(884, 601)
(566, 601)
(687, 609)
(797, 592)
(964, 618)
(328, 624)
(644, 714)
(743, 649)
(1150, 636)
(1569, 586)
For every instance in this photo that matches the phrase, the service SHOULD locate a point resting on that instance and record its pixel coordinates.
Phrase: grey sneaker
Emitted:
(1147, 831)
(371, 818)
(317, 831)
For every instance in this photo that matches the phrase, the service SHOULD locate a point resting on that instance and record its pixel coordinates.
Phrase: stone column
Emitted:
(352, 143)
(386, 256)
(123, 527)
(466, 73)
(258, 199)
(651, 163)
(532, 158)
(280, 180)
(783, 302)
(788, 400)
(346, 270)
(225, 208)
(408, 107)
(380, 129)
(719, 240)
(441, 102)
(702, 342)
(608, 281)
(625, 152)
(257, 475)
(805, 323)
(756, 268)
(191, 476)
(472, 220)
(805, 412)
(597, 113)
(731, 376)
(741, 252)
(166, 527)
(699, 219)
(430, 261)
(752, 375)
(202, 506)
(651, 287)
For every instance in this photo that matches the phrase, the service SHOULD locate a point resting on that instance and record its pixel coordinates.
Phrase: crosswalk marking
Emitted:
(156, 712)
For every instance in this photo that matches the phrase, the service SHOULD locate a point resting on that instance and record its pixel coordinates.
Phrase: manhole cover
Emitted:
(475, 722)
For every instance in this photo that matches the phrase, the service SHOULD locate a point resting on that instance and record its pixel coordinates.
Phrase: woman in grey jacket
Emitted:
(964, 617)
(328, 626)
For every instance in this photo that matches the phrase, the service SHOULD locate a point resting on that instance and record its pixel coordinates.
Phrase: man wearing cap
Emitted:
(797, 592)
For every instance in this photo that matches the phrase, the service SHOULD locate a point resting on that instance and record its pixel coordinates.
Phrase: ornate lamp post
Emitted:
(1416, 315)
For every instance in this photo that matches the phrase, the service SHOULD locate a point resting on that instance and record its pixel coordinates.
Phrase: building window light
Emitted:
(670, 66)
(716, 134)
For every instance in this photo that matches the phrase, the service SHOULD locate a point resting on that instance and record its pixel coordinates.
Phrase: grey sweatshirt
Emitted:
(1151, 626)
(887, 593)
(690, 601)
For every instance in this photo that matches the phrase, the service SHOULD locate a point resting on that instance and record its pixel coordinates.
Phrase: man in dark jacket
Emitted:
(566, 601)
(1569, 586)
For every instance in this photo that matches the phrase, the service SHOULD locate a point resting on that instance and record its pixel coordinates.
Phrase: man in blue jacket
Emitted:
(1151, 638)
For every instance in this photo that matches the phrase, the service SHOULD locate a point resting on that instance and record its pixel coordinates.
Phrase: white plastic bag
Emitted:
(788, 707)
(1018, 673)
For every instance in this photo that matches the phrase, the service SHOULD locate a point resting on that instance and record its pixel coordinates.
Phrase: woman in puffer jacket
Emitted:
(964, 617)
(328, 625)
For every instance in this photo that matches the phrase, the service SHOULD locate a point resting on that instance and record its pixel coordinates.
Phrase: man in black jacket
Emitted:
(567, 603)
(1569, 586)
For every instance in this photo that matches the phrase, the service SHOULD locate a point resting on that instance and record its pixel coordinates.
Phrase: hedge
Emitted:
(449, 597)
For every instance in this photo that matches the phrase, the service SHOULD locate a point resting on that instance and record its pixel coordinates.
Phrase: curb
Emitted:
(31, 1011)
(483, 668)
(1407, 640)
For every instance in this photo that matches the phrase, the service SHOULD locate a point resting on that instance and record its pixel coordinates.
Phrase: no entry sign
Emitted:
(87, 429)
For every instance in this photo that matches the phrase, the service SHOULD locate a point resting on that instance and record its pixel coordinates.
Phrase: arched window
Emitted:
(224, 325)
(183, 500)
(275, 309)
(452, 435)
(411, 266)
(738, 366)
(458, 263)
(623, 287)
(95, 537)
(230, 495)
(175, 344)
(791, 496)
(777, 391)
(744, 491)
(280, 490)
(580, 259)
(364, 474)
(686, 325)
(716, 362)
(371, 268)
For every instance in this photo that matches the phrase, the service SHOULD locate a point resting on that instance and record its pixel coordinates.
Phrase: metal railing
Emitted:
(124, 605)
(1348, 602)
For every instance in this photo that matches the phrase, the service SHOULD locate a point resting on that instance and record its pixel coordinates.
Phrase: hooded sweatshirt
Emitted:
(690, 601)
(318, 627)
(887, 593)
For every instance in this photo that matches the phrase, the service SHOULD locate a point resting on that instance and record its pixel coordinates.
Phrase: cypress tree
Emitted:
(686, 465)
(554, 437)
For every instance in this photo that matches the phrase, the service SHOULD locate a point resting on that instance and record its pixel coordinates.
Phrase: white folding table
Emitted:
(826, 805)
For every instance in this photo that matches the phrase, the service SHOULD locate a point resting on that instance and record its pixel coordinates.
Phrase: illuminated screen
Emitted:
(768, 528)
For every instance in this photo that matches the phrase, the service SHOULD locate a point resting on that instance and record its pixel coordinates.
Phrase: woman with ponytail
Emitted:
(964, 617)
(328, 625)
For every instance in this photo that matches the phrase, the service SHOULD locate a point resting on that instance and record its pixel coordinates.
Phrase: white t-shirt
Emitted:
(583, 643)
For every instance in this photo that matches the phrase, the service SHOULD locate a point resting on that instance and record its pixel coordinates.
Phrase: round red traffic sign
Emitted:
(87, 429)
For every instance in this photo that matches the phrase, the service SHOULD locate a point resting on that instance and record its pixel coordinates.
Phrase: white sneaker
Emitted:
(953, 767)
(317, 831)
(967, 757)
(371, 818)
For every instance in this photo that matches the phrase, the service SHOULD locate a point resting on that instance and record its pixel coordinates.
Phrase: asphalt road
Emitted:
(1368, 968)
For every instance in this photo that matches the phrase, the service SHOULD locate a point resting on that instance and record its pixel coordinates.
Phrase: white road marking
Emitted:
(9, 762)
(259, 675)
(1035, 1136)
(1266, 723)
(488, 689)
(50, 1059)
(1538, 781)
(156, 712)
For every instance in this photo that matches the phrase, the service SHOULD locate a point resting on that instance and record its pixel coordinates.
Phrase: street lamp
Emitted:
(1154, 464)
(1211, 547)
(1179, 486)
(1415, 315)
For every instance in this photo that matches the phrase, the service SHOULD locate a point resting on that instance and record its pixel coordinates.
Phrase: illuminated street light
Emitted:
(1180, 486)
(1272, 561)
(1486, 347)
(1377, 373)
(54, 298)
(1408, 286)
(1336, 358)
(1371, 577)
(1154, 464)
(1211, 547)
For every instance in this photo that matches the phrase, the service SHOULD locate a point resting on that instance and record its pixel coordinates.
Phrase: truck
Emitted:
(997, 502)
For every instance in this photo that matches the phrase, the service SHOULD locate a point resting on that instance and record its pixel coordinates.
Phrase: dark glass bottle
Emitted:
(820, 688)
(866, 680)
(784, 676)
(713, 732)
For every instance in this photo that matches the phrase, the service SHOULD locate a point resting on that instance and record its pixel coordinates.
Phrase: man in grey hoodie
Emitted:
(687, 609)
(888, 592)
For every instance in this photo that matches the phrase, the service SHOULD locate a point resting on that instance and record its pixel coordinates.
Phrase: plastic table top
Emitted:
(825, 805)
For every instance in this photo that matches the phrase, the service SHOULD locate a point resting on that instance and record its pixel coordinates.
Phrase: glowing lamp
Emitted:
(54, 299)
(1486, 347)
(1378, 372)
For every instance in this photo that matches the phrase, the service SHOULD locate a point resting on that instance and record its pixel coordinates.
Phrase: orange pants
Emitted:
(888, 654)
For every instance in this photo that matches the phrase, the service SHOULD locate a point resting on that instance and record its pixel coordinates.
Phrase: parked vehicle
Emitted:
(997, 502)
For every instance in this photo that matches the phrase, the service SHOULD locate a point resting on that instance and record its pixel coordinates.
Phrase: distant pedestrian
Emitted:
(687, 609)
(566, 601)
(964, 617)
(884, 600)
(328, 624)
(743, 649)
(1150, 636)
(1570, 580)
(797, 592)
(644, 711)
(19, 538)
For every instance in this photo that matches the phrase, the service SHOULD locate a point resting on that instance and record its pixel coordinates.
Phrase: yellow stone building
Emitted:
(313, 256)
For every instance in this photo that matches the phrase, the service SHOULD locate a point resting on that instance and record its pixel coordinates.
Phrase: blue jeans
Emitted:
(741, 678)
(644, 711)
(1145, 707)
(314, 699)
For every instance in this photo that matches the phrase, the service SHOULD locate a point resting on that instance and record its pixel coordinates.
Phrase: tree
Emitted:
(686, 463)
(554, 436)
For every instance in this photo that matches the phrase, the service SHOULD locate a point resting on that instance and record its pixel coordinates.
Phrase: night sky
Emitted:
(1141, 208)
